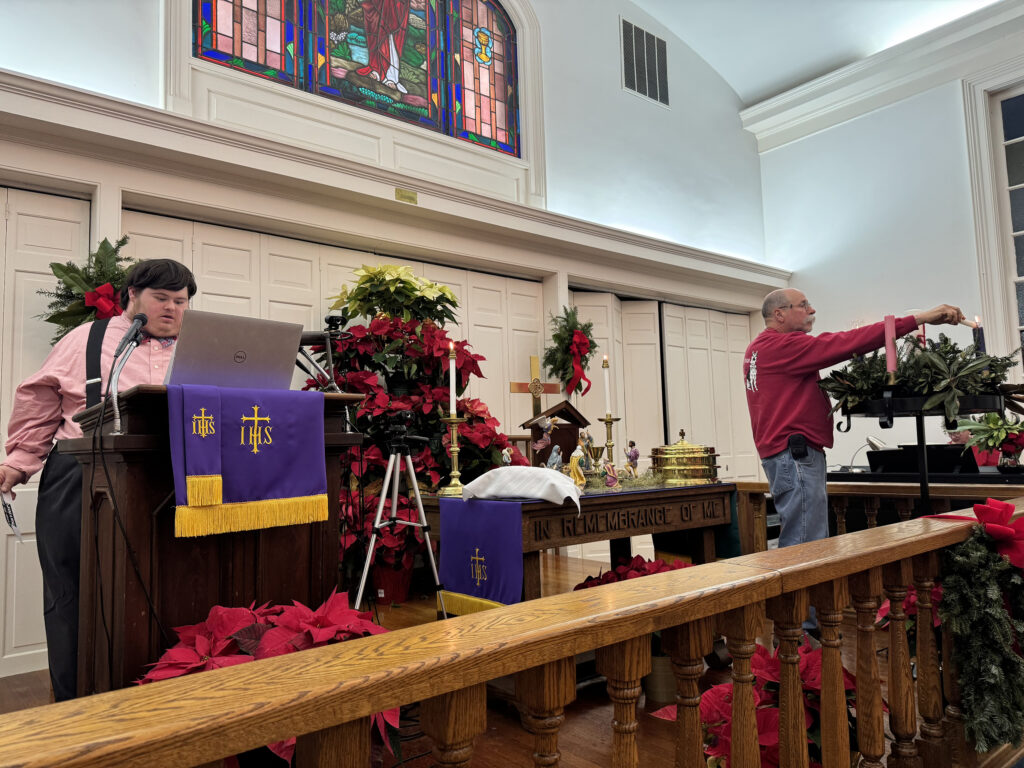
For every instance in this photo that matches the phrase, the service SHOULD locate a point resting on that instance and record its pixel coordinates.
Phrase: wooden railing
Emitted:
(753, 517)
(326, 696)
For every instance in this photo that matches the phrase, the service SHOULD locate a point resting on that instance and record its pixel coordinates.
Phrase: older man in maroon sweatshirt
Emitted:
(789, 413)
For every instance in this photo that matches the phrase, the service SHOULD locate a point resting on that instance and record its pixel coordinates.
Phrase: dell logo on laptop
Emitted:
(239, 356)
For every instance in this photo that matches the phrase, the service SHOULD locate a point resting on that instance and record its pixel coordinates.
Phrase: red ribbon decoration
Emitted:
(579, 347)
(1009, 535)
(103, 299)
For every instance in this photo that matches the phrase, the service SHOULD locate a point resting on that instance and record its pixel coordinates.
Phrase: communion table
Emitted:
(614, 517)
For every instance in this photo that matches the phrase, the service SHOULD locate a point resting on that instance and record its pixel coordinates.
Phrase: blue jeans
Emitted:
(798, 490)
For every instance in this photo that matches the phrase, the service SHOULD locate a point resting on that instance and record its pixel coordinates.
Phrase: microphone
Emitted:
(138, 323)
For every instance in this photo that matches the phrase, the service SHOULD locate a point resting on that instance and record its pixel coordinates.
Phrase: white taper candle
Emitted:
(607, 387)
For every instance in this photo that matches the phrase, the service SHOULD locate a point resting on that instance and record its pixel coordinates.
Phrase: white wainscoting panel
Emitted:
(38, 229)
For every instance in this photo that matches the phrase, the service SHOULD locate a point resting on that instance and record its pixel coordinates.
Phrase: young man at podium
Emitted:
(72, 378)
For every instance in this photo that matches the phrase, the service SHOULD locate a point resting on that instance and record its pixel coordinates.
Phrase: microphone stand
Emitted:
(112, 387)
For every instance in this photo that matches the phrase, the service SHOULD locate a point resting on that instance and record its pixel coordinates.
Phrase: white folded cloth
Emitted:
(523, 483)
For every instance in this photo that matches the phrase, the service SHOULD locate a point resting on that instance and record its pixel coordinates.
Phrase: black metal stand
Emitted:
(888, 408)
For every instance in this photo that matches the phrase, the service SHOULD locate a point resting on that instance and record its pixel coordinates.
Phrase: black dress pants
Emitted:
(59, 537)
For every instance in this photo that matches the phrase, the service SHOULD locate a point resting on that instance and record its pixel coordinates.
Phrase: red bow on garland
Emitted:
(995, 516)
(103, 299)
(579, 347)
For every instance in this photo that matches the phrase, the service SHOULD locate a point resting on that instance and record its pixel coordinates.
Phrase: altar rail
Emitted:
(753, 518)
(327, 695)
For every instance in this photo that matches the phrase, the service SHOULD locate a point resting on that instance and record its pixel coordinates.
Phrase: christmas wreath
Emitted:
(89, 292)
(572, 346)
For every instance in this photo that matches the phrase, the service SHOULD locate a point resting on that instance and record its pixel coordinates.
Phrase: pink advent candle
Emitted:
(890, 343)
(451, 379)
(607, 388)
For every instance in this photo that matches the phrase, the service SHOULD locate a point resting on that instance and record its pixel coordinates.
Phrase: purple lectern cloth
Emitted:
(482, 548)
(289, 458)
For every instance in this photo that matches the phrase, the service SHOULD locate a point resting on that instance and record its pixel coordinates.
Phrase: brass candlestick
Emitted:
(454, 488)
(609, 443)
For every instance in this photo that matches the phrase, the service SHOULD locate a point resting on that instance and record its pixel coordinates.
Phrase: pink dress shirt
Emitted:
(45, 402)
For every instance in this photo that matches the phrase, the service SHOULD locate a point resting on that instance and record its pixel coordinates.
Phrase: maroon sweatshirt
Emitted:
(781, 375)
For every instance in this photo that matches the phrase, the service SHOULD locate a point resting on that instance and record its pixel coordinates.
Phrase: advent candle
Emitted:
(890, 343)
(979, 335)
(607, 387)
(451, 379)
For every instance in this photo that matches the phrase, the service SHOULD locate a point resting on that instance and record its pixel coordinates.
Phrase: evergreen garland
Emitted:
(979, 585)
(557, 359)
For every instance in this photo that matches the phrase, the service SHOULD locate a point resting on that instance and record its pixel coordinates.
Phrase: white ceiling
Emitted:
(765, 47)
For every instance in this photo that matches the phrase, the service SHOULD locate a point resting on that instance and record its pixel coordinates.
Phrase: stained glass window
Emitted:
(447, 65)
(483, 75)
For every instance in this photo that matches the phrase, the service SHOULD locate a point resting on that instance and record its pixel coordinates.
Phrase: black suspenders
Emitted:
(93, 371)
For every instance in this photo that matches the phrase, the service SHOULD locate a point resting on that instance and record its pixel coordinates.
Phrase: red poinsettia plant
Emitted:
(716, 708)
(400, 365)
(631, 569)
(231, 636)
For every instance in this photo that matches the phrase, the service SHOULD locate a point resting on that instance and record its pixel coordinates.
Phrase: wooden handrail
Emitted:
(202, 718)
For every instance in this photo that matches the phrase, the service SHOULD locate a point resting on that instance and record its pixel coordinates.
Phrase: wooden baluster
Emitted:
(839, 505)
(904, 508)
(828, 600)
(687, 645)
(959, 748)
(452, 720)
(740, 626)
(871, 504)
(788, 611)
(865, 588)
(940, 506)
(902, 709)
(929, 686)
(753, 521)
(543, 692)
(624, 664)
(343, 746)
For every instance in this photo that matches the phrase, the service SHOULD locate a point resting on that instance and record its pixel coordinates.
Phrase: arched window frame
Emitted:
(223, 97)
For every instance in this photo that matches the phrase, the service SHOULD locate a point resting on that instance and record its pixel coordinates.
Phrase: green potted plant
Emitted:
(994, 432)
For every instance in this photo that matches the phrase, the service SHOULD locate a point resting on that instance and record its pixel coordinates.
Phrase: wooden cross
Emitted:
(534, 386)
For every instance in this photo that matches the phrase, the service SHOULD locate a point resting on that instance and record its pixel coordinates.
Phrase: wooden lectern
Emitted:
(136, 576)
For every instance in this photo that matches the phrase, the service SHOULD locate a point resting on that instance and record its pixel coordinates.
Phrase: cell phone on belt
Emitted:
(798, 446)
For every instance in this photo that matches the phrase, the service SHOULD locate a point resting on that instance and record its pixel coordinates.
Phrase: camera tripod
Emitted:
(399, 446)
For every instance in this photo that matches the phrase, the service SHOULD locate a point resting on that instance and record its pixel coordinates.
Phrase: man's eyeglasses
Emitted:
(805, 305)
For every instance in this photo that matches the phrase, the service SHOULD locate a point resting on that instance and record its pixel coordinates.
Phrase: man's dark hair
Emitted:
(159, 274)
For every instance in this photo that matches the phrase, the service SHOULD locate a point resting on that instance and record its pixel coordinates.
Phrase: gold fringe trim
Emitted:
(204, 490)
(460, 604)
(249, 515)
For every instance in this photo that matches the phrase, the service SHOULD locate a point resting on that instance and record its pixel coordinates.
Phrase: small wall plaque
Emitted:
(406, 196)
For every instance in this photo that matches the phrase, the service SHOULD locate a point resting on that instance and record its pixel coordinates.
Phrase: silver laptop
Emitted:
(230, 351)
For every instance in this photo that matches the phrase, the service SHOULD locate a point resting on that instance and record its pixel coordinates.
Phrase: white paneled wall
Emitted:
(37, 229)
(226, 263)
(704, 384)
(641, 338)
(604, 310)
